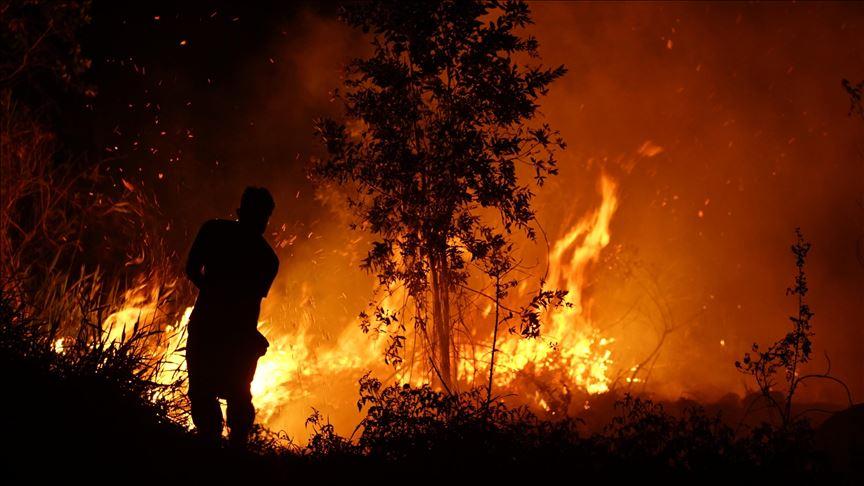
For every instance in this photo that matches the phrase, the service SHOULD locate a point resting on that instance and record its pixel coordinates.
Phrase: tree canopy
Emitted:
(438, 121)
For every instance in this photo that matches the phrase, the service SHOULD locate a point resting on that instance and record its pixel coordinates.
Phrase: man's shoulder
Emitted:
(216, 232)
(215, 225)
(216, 222)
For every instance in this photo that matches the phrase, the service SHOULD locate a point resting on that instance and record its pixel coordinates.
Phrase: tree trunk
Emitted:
(441, 319)
(446, 341)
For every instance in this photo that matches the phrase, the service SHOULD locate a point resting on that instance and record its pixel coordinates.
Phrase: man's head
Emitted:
(256, 206)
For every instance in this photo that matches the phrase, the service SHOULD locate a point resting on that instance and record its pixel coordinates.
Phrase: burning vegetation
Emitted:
(467, 302)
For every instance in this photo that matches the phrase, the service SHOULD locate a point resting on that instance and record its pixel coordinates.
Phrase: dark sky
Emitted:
(196, 92)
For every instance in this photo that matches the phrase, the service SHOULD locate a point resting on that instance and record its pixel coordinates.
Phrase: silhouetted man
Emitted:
(233, 267)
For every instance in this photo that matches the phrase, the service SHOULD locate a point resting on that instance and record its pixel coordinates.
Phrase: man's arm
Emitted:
(270, 276)
(197, 257)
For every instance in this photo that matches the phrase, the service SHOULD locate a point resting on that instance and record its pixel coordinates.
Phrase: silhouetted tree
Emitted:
(438, 124)
(788, 355)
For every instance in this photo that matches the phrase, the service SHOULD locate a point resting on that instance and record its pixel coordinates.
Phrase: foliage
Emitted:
(419, 424)
(790, 353)
(437, 134)
(126, 363)
(405, 428)
(855, 97)
(696, 445)
(39, 42)
(91, 397)
(643, 432)
(324, 441)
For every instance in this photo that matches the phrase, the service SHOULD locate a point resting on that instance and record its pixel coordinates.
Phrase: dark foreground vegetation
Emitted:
(91, 413)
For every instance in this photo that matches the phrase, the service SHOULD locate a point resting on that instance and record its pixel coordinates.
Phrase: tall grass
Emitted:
(73, 249)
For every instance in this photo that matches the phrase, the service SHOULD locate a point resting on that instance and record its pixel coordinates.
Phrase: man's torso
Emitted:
(239, 267)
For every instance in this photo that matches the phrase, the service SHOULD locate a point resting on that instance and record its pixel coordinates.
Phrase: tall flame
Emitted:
(570, 348)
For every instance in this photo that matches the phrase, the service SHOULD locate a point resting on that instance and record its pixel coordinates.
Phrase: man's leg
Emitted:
(241, 411)
(206, 413)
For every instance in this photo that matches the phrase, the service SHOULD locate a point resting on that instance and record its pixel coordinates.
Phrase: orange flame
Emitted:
(570, 347)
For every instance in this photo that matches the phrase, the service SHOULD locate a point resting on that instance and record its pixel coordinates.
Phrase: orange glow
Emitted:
(570, 347)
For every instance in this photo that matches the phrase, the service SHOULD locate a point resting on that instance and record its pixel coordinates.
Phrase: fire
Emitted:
(293, 367)
(173, 355)
(140, 310)
(60, 345)
(570, 348)
(299, 369)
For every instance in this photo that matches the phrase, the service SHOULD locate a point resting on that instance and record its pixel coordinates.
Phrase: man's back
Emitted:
(233, 269)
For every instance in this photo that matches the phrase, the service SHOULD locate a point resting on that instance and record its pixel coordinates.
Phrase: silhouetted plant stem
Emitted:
(791, 352)
(494, 336)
